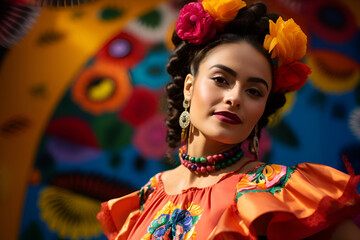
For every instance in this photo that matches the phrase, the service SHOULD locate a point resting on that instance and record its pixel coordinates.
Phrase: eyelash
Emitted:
(221, 80)
(256, 94)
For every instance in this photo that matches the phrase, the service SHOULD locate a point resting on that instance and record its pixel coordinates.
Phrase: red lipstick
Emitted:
(228, 117)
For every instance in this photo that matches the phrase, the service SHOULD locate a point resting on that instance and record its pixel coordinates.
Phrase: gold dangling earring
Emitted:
(184, 120)
(254, 149)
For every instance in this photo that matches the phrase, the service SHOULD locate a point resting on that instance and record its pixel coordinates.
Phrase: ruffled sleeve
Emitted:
(118, 216)
(291, 202)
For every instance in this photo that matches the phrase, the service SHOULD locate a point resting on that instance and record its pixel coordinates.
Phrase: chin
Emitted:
(230, 140)
(221, 134)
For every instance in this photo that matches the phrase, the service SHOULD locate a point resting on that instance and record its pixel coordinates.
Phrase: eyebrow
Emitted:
(225, 68)
(233, 73)
(259, 80)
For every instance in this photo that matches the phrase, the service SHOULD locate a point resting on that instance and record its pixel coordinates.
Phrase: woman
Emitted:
(231, 66)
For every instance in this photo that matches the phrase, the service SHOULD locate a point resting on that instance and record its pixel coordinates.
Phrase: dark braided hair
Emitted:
(251, 25)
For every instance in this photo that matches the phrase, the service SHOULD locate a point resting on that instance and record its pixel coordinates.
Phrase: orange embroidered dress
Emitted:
(299, 202)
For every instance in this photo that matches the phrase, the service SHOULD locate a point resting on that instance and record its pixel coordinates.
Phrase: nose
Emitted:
(233, 103)
(233, 97)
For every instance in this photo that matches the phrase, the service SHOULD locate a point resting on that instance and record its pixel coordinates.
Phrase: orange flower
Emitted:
(223, 10)
(102, 88)
(286, 41)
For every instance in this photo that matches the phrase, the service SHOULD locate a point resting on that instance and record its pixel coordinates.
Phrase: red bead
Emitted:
(209, 168)
(221, 156)
(216, 157)
(203, 169)
(231, 152)
(210, 159)
(198, 169)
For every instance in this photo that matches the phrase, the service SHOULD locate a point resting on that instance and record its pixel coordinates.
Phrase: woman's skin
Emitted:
(233, 78)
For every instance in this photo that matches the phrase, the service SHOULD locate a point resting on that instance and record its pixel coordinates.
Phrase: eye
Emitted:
(254, 92)
(220, 80)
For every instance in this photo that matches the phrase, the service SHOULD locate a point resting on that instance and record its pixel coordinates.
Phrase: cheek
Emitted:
(254, 111)
(203, 97)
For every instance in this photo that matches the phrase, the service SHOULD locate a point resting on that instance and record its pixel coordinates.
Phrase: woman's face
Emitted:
(228, 96)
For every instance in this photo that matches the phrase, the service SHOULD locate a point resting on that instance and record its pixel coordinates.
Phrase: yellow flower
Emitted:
(167, 209)
(75, 219)
(193, 209)
(223, 10)
(286, 41)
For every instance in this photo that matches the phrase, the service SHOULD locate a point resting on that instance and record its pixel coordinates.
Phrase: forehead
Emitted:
(242, 57)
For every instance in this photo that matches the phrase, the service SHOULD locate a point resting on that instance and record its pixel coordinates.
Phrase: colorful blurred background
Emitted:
(82, 106)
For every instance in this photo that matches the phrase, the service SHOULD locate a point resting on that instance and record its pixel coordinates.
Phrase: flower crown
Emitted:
(198, 23)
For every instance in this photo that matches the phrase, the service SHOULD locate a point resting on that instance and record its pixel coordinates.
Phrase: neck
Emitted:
(199, 145)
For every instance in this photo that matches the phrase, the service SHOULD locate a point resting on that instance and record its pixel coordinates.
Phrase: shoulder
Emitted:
(305, 176)
(264, 178)
(310, 196)
(152, 183)
(274, 177)
(145, 192)
(299, 201)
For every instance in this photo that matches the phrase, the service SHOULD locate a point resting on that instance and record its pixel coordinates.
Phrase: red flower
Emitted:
(141, 106)
(194, 24)
(291, 76)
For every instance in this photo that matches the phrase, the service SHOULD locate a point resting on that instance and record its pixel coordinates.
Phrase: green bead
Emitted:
(234, 159)
(197, 160)
(217, 166)
(223, 165)
(192, 159)
(229, 162)
(203, 160)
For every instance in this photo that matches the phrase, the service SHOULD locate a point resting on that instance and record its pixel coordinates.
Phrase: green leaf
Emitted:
(111, 132)
(152, 19)
(111, 13)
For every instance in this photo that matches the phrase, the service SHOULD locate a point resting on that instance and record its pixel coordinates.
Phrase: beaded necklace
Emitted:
(206, 165)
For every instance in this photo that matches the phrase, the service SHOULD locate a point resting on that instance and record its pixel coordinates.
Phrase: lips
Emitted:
(227, 117)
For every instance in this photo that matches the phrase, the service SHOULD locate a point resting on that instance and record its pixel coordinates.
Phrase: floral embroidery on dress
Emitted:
(173, 222)
(146, 190)
(267, 178)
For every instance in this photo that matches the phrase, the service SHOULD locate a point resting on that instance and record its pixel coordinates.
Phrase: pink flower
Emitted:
(194, 24)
